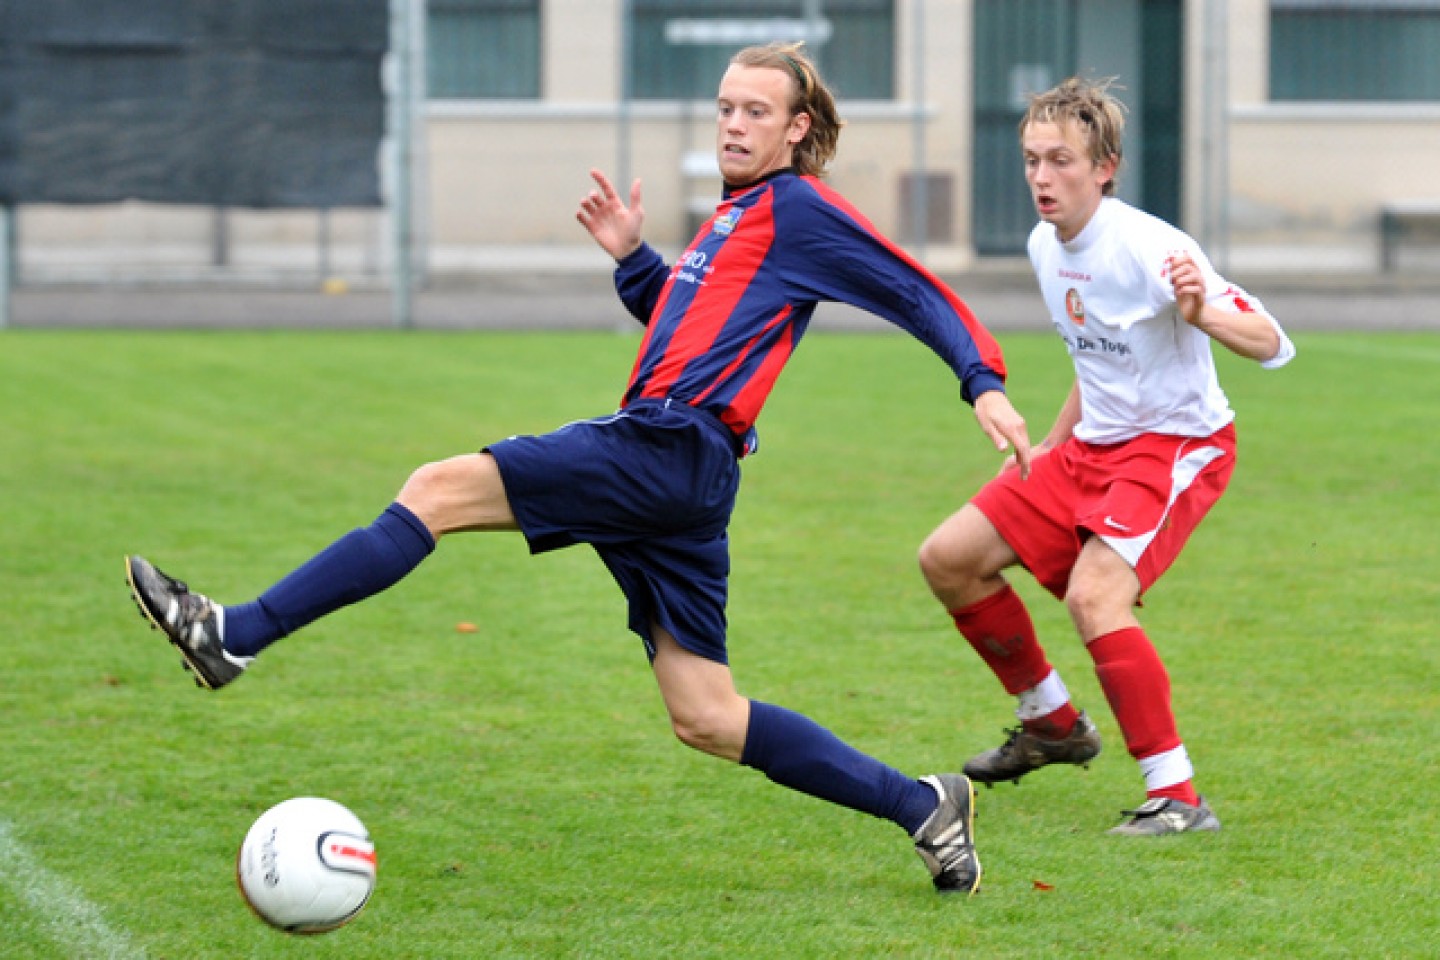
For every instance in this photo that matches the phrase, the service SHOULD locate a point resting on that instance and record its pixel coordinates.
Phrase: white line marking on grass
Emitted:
(73, 921)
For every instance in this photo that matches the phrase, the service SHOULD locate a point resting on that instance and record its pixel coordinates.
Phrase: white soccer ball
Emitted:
(306, 866)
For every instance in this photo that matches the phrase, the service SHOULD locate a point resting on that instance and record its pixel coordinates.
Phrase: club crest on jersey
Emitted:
(1075, 306)
(726, 221)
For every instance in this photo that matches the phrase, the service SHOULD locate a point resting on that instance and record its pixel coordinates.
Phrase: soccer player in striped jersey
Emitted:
(1143, 446)
(651, 487)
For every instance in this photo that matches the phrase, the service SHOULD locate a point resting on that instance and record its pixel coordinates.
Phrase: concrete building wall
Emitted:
(514, 172)
(1305, 182)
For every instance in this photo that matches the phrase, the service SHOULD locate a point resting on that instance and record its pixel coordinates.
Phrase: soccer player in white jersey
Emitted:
(1143, 446)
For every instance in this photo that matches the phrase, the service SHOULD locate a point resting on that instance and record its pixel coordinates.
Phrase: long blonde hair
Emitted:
(809, 95)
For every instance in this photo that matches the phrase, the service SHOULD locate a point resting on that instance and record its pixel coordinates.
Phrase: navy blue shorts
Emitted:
(651, 488)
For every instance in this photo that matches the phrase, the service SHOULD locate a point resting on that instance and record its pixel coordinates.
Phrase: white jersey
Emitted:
(1140, 367)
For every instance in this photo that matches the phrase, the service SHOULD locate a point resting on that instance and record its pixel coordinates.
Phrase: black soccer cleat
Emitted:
(191, 620)
(946, 841)
(1023, 752)
(1159, 816)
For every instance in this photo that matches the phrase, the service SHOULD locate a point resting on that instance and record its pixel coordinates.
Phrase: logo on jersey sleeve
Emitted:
(1237, 297)
(1075, 307)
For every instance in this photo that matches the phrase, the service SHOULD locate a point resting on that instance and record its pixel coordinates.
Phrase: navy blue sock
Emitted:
(796, 752)
(358, 565)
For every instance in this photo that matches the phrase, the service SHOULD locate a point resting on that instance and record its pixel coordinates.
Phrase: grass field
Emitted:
(522, 785)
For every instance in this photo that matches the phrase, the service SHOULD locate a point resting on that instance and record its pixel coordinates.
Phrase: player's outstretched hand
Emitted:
(1004, 426)
(614, 226)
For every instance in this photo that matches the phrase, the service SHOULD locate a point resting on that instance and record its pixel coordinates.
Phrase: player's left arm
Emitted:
(832, 253)
(1245, 331)
(840, 257)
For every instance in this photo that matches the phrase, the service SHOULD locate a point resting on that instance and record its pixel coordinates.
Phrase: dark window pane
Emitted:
(483, 49)
(1354, 51)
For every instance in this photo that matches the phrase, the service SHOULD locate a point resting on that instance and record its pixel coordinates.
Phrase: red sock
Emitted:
(1138, 688)
(1000, 630)
(1184, 792)
(1055, 725)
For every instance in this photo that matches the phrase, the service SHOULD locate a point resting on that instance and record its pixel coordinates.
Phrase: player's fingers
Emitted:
(996, 435)
(1022, 456)
(1010, 434)
(606, 189)
(635, 193)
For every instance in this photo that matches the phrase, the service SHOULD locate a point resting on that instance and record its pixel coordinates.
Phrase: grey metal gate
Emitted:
(1025, 46)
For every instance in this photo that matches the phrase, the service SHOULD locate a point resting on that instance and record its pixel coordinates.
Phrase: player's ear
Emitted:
(1107, 169)
(799, 127)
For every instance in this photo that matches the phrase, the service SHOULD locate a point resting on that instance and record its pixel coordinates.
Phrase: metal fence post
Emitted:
(401, 158)
(7, 214)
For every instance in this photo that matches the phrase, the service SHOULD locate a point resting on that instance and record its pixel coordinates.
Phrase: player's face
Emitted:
(755, 133)
(1065, 184)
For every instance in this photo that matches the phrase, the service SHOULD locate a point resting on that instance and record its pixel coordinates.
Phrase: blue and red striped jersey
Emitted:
(722, 321)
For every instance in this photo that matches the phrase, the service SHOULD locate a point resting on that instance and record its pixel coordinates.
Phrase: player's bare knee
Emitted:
(963, 557)
(442, 495)
(929, 559)
(939, 563)
(957, 573)
(423, 488)
(711, 730)
(1090, 602)
(695, 733)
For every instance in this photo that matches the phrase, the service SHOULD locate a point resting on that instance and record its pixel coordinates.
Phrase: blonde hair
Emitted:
(1089, 105)
(810, 96)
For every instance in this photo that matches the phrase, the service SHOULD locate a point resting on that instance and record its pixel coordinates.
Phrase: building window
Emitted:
(483, 49)
(1376, 50)
(681, 47)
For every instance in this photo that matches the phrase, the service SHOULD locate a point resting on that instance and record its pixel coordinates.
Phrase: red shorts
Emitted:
(1143, 497)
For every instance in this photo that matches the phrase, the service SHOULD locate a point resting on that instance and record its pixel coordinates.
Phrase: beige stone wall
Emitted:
(509, 175)
(1307, 181)
(514, 172)
(1319, 175)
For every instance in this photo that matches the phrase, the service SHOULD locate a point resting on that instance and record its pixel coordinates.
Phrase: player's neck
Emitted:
(733, 188)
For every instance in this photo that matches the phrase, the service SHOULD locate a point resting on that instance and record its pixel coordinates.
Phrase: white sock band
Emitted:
(1044, 698)
(1167, 769)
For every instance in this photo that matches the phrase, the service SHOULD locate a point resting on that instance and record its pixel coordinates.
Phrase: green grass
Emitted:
(521, 782)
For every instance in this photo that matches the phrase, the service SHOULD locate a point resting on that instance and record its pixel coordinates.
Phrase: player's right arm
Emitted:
(640, 272)
(614, 226)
